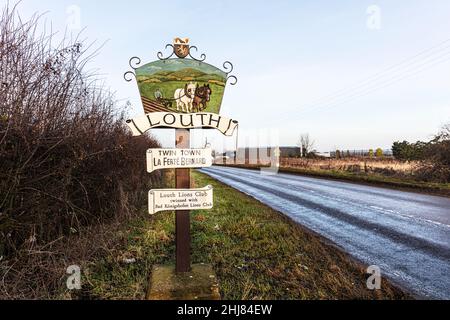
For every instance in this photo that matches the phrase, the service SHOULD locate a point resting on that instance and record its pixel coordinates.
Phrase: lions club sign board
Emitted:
(178, 158)
(180, 199)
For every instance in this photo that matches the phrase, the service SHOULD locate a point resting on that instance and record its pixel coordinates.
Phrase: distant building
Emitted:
(290, 152)
(323, 154)
(260, 156)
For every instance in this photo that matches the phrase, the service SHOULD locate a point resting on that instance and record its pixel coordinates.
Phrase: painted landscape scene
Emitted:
(181, 85)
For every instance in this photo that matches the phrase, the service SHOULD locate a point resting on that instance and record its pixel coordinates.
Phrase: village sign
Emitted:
(183, 94)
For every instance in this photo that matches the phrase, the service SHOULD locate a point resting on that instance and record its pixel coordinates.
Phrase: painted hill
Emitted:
(183, 74)
(174, 65)
(187, 72)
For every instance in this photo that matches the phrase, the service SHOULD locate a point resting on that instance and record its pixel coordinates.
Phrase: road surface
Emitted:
(406, 234)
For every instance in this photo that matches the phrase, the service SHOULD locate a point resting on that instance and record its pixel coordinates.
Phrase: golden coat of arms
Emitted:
(181, 47)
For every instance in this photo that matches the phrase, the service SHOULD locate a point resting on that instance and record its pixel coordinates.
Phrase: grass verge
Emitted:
(256, 253)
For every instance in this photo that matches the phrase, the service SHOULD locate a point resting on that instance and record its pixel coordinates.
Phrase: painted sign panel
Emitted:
(178, 158)
(181, 85)
(180, 199)
(144, 123)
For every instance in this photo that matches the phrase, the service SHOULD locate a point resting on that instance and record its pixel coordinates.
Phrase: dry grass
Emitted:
(40, 272)
(386, 166)
(256, 253)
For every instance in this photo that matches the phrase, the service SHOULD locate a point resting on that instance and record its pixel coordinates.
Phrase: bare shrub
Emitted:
(436, 164)
(66, 158)
(306, 145)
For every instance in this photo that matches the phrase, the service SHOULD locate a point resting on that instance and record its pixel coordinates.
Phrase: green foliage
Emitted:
(434, 156)
(408, 151)
(379, 153)
(180, 75)
(371, 153)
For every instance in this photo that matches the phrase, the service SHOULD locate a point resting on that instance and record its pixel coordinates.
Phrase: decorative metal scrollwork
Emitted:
(161, 55)
(134, 64)
(181, 49)
(233, 80)
(180, 54)
(228, 68)
(202, 56)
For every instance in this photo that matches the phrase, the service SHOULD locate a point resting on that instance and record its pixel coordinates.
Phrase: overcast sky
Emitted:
(353, 74)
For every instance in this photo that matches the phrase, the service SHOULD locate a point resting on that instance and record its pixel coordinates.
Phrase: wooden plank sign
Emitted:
(180, 199)
(178, 158)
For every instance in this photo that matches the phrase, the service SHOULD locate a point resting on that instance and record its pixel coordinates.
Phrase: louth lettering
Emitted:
(182, 121)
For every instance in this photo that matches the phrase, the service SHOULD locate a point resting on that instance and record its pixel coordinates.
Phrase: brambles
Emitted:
(433, 156)
(66, 159)
(436, 163)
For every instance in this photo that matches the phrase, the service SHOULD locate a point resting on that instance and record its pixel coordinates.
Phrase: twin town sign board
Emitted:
(182, 94)
(178, 158)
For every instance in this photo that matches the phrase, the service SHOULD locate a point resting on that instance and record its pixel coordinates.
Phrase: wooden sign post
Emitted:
(183, 220)
(181, 93)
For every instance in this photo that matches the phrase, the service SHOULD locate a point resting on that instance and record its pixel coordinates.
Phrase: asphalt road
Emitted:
(406, 234)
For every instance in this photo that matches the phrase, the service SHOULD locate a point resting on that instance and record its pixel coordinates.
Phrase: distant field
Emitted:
(386, 166)
(386, 172)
